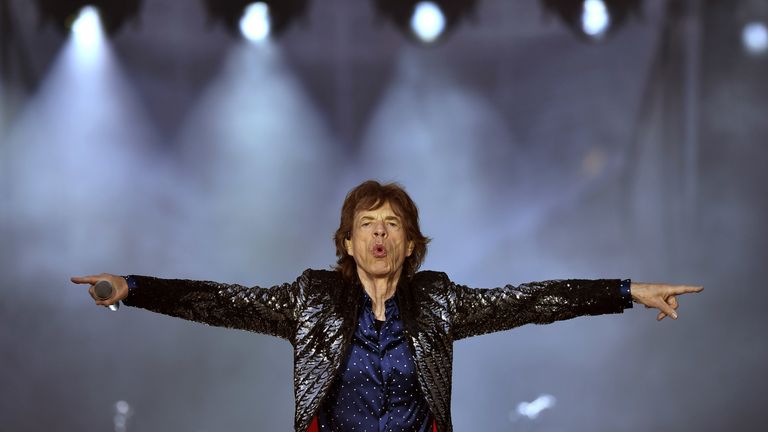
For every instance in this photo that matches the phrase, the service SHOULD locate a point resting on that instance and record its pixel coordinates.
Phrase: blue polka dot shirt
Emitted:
(377, 389)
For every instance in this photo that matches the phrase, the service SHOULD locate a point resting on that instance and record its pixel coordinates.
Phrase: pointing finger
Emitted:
(84, 279)
(684, 289)
(660, 316)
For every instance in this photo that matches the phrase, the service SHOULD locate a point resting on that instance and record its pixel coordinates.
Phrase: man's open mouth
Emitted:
(379, 251)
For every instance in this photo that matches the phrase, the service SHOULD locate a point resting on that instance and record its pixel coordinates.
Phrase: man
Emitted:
(373, 338)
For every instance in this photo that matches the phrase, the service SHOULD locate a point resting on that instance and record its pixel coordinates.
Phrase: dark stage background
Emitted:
(178, 149)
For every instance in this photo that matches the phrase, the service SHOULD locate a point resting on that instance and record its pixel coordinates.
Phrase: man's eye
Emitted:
(365, 224)
(393, 224)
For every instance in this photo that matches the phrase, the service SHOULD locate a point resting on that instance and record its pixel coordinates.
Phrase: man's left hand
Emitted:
(661, 296)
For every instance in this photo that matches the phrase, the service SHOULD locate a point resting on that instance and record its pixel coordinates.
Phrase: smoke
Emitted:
(180, 153)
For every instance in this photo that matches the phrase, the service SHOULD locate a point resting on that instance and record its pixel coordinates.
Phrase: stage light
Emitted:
(111, 15)
(592, 20)
(86, 28)
(754, 36)
(595, 19)
(122, 412)
(426, 22)
(254, 25)
(255, 21)
(532, 409)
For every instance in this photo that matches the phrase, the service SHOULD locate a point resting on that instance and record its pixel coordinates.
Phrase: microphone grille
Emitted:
(103, 289)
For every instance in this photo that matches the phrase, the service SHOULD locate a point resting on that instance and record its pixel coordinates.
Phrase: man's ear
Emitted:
(410, 249)
(348, 245)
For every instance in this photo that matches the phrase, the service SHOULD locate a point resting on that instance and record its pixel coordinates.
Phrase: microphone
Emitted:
(104, 291)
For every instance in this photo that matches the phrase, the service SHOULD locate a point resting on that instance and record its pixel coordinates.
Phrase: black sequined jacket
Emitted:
(318, 313)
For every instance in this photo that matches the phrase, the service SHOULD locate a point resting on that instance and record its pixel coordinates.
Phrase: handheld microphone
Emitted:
(104, 291)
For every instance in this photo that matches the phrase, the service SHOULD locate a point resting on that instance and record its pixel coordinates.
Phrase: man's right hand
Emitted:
(121, 287)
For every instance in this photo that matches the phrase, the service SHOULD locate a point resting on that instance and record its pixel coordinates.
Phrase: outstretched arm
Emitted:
(485, 310)
(263, 310)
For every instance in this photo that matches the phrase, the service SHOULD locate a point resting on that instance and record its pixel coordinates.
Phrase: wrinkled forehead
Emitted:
(371, 204)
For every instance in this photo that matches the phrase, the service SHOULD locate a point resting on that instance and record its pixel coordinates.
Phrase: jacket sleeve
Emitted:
(478, 311)
(270, 311)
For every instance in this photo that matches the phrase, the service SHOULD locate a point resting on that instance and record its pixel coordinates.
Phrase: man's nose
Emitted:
(380, 230)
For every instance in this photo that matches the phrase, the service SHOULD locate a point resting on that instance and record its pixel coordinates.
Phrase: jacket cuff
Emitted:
(131, 281)
(626, 293)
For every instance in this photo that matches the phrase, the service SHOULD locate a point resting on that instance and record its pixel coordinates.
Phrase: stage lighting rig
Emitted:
(255, 20)
(112, 13)
(426, 22)
(593, 20)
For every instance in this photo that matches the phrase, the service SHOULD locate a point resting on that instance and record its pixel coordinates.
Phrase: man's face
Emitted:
(378, 242)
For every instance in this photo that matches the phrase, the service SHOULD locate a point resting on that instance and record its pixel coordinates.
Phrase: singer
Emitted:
(373, 338)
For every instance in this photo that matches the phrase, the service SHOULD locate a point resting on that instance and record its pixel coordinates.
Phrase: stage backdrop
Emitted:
(175, 148)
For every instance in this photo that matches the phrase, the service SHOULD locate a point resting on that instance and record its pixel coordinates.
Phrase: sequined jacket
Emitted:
(318, 313)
